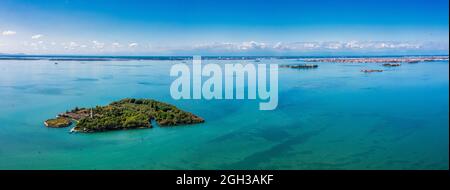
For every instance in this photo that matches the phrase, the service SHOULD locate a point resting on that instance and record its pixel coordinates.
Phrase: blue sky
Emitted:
(175, 27)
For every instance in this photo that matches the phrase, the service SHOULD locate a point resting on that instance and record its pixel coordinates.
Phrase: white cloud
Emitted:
(216, 46)
(72, 45)
(310, 45)
(116, 45)
(232, 47)
(353, 45)
(279, 45)
(37, 36)
(251, 45)
(302, 46)
(98, 45)
(133, 45)
(8, 33)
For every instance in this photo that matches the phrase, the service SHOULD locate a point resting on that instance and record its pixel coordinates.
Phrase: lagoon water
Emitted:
(333, 117)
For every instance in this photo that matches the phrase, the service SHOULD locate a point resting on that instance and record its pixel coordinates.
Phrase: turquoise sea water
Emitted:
(333, 117)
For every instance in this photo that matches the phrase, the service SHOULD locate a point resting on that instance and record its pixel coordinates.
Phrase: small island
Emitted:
(127, 113)
(371, 71)
(300, 66)
(391, 64)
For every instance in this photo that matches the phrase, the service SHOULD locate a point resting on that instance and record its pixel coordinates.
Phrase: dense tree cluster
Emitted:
(130, 113)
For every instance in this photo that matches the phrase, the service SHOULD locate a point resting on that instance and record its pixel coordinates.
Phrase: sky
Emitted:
(233, 27)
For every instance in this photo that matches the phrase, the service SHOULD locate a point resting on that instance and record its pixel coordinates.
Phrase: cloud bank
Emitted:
(38, 46)
(8, 33)
(37, 36)
(322, 46)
